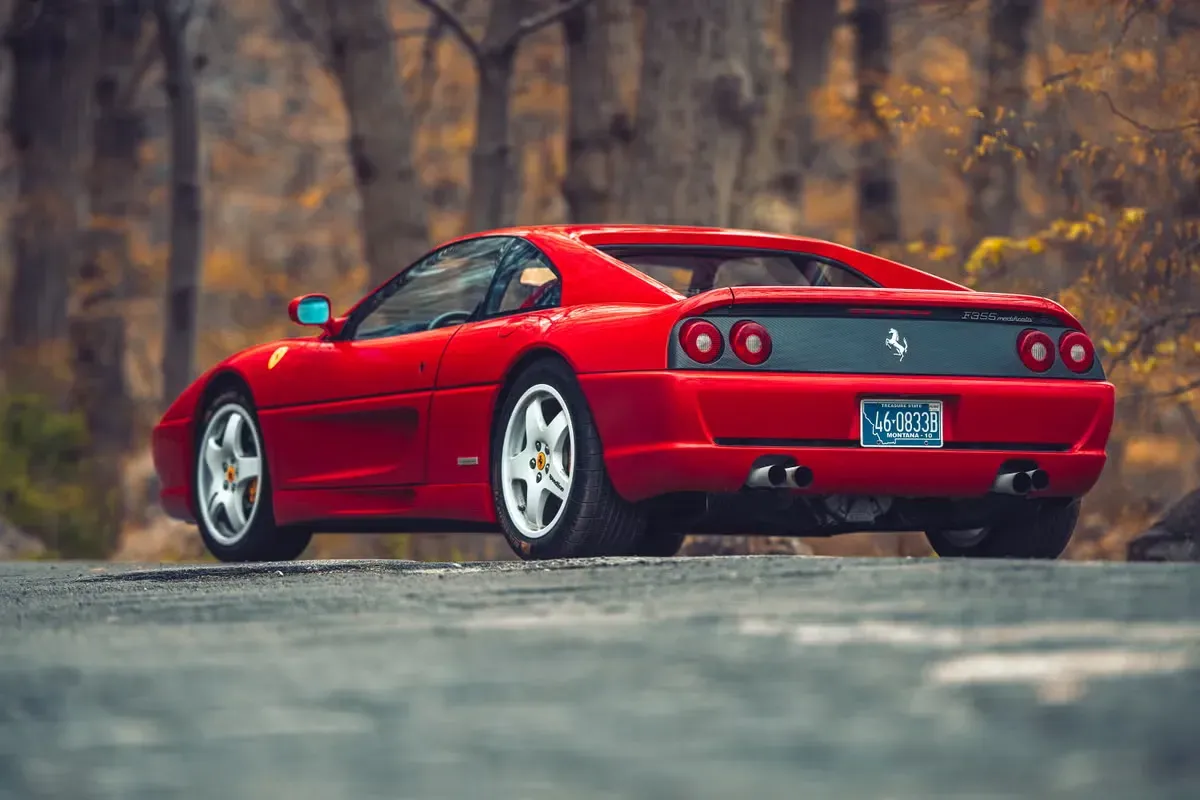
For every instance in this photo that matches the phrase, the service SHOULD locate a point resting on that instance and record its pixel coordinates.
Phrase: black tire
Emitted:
(263, 540)
(1043, 534)
(595, 520)
(659, 545)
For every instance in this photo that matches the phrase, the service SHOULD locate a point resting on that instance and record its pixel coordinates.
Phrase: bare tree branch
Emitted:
(456, 26)
(1178, 391)
(427, 77)
(536, 22)
(1059, 77)
(1136, 9)
(1141, 125)
(523, 28)
(1146, 331)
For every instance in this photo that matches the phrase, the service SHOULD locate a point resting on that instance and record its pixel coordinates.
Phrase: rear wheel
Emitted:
(233, 492)
(552, 494)
(1043, 534)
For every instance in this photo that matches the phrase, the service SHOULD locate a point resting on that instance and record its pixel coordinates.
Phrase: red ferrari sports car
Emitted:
(605, 390)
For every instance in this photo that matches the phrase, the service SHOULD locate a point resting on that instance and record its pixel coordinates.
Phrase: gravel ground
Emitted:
(735, 677)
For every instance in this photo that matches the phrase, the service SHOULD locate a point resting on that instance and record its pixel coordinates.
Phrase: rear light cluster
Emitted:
(1077, 351)
(750, 342)
(703, 343)
(1037, 349)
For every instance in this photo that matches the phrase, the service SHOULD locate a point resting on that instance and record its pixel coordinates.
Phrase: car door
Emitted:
(364, 422)
(516, 314)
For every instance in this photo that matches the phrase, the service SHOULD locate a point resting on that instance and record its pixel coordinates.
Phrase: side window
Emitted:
(525, 281)
(447, 287)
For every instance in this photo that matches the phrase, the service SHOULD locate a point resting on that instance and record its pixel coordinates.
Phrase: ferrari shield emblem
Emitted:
(276, 357)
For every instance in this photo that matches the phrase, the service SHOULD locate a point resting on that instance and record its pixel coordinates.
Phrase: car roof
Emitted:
(628, 233)
(575, 239)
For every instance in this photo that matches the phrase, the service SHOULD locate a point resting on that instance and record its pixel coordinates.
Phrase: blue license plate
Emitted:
(901, 423)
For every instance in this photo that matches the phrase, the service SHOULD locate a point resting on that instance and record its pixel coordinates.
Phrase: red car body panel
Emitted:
(401, 427)
(683, 415)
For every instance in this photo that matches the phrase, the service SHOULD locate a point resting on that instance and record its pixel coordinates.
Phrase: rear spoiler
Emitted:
(872, 300)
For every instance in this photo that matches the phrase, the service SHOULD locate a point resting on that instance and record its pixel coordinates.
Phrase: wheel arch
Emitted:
(222, 381)
(540, 352)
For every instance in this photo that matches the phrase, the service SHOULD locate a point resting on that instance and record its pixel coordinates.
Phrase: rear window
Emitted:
(693, 270)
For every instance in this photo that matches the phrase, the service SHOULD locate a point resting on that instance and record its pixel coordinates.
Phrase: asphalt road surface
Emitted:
(737, 677)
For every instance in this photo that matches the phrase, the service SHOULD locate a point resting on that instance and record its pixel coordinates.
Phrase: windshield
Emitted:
(690, 270)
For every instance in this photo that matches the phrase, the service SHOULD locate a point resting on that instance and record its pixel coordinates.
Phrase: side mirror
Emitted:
(310, 309)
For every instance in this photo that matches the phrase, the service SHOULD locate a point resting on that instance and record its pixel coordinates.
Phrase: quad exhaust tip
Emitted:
(1039, 480)
(800, 477)
(777, 476)
(1035, 480)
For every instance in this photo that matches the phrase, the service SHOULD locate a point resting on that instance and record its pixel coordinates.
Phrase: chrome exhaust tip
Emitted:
(1039, 480)
(769, 476)
(800, 477)
(1013, 483)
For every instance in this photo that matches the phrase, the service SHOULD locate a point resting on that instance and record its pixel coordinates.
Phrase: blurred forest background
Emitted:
(173, 171)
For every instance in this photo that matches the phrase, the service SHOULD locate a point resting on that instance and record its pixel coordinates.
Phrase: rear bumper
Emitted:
(676, 431)
(171, 446)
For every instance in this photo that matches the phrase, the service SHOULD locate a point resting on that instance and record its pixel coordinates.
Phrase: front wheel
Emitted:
(1043, 534)
(233, 492)
(551, 491)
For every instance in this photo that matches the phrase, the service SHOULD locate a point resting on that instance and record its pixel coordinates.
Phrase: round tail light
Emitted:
(750, 342)
(1036, 350)
(1076, 351)
(701, 341)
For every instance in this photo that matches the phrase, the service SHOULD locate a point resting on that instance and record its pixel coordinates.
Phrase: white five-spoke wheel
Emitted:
(228, 474)
(550, 485)
(536, 465)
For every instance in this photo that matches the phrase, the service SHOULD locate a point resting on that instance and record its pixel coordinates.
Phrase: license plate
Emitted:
(901, 423)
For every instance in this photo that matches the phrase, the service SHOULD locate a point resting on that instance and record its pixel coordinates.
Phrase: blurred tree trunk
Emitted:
(174, 18)
(97, 322)
(992, 180)
(696, 110)
(361, 54)
(878, 212)
(491, 203)
(759, 164)
(809, 26)
(598, 122)
(53, 52)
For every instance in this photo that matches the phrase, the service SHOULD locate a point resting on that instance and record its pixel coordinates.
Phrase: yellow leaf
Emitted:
(312, 198)
(942, 252)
